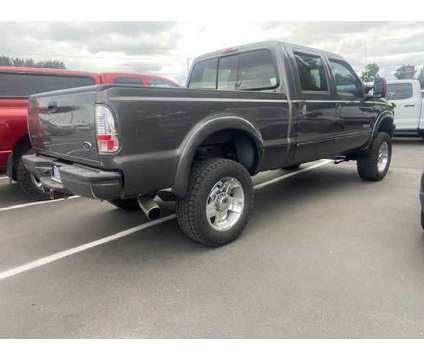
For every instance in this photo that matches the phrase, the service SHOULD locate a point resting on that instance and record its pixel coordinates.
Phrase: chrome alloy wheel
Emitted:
(383, 156)
(225, 204)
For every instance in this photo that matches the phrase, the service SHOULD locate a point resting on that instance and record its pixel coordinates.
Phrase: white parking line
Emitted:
(3, 177)
(13, 207)
(62, 254)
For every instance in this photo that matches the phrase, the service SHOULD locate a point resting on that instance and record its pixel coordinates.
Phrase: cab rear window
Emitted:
(23, 85)
(250, 70)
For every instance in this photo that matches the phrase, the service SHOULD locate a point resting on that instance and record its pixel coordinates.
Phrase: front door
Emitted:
(356, 114)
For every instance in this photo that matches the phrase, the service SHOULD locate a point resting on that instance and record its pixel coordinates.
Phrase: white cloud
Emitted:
(164, 47)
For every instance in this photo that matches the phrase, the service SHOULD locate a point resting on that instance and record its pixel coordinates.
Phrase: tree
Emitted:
(8, 61)
(405, 72)
(371, 70)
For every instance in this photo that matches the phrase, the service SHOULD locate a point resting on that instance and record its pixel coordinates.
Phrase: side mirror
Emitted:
(380, 87)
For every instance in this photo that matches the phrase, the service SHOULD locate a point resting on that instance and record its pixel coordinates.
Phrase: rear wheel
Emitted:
(218, 202)
(373, 166)
(125, 204)
(30, 184)
(422, 219)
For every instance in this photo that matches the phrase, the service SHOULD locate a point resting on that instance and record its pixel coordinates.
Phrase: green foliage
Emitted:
(8, 61)
(371, 70)
(405, 72)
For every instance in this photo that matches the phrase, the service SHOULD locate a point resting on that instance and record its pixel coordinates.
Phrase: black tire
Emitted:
(292, 167)
(368, 164)
(125, 204)
(191, 211)
(28, 183)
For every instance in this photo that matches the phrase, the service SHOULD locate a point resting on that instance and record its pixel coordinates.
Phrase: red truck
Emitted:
(16, 84)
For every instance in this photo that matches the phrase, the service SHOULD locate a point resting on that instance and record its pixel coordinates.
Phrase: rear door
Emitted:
(406, 96)
(316, 124)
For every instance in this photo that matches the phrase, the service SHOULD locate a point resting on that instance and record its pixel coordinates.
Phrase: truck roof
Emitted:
(260, 45)
(37, 70)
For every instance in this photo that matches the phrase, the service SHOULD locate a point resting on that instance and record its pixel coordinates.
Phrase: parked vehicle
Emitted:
(256, 107)
(409, 99)
(16, 84)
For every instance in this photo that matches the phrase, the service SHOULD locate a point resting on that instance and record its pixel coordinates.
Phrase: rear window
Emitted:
(23, 85)
(203, 75)
(399, 91)
(251, 70)
(123, 80)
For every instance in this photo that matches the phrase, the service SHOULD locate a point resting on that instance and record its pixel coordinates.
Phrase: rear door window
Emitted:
(23, 85)
(311, 72)
(399, 91)
(126, 80)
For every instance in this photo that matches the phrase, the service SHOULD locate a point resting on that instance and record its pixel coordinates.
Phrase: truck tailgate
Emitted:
(62, 124)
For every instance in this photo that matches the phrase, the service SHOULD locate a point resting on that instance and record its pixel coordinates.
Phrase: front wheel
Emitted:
(218, 202)
(373, 166)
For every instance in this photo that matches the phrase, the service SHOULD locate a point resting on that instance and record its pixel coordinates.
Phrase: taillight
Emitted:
(106, 134)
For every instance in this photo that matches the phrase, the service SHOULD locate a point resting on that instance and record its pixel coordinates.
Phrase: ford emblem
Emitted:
(87, 145)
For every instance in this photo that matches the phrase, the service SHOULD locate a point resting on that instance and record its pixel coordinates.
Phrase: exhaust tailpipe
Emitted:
(149, 207)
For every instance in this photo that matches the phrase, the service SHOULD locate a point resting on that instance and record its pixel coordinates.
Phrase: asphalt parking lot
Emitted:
(324, 255)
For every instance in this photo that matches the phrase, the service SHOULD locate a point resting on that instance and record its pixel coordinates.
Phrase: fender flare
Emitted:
(199, 133)
(380, 118)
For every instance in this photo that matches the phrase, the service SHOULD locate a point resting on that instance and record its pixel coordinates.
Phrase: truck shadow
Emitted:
(167, 240)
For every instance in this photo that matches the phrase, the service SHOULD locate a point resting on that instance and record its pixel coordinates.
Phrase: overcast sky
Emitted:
(164, 47)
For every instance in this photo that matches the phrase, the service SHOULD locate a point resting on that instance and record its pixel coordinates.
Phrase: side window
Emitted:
(399, 91)
(203, 75)
(227, 72)
(346, 81)
(256, 71)
(311, 72)
(161, 83)
(24, 84)
(124, 80)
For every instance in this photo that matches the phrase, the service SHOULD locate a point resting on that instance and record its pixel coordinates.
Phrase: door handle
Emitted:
(409, 105)
(303, 109)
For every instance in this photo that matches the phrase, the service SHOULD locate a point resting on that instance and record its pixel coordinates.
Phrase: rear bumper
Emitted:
(76, 179)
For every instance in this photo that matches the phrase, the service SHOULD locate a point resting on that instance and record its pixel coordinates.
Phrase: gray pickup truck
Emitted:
(256, 107)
